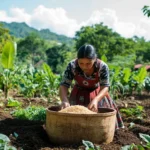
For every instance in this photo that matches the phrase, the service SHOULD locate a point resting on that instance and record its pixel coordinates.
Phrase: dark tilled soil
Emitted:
(32, 136)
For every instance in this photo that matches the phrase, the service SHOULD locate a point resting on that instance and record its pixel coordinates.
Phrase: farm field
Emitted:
(32, 136)
(34, 62)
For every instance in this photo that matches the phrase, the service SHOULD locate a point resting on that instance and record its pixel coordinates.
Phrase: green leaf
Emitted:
(145, 137)
(125, 147)
(148, 145)
(132, 147)
(104, 58)
(11, 148)
(15, 135)
(88, 144)
(131, 124)
(4, 138)
(13, 103)
(140, 147)
(31, 113)
(127, 74)
(49, 73)
(8, 55)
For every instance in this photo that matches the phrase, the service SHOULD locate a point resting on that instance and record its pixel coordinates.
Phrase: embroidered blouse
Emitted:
(99, 66)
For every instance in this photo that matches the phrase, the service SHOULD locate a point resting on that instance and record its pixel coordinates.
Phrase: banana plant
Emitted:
(137, 79)
(116, 87)
(7, 61)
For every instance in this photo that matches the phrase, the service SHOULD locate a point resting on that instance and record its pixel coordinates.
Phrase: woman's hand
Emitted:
(63, 96)
(93, 105)
(64, 104)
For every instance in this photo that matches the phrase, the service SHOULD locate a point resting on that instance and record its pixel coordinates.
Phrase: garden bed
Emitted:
(32, 136)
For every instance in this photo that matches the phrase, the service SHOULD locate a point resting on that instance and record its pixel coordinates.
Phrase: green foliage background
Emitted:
(35, 48)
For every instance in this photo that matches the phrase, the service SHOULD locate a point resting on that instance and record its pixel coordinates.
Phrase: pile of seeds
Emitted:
(77, 109)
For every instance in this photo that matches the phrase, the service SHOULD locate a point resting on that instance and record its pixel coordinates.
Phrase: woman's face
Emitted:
(86, 64)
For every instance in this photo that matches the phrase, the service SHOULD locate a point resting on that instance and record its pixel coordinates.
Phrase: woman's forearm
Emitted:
(103, 92)
(63, 92)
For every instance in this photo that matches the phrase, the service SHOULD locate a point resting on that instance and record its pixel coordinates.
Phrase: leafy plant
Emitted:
(116, 87)
(137, 111)
(137, 79)
(90, 146)
(49, 73)
(31, 113)
(131, 124)
(35, 82)
(4, 143)
(13, 103)
(146, 138)
(146, 10)
(104, 58)
(132, 147)
(7, 59)
(147, 84)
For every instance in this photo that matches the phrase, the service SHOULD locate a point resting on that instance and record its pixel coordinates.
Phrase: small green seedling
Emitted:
(90, 146)
(13, 103)
(145, 138)
(4, 143)
(35, 113)
(138, 111)
(132, 124)
(132, 147)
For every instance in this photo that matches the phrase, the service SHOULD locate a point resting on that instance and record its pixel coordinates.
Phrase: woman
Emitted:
(91, 77)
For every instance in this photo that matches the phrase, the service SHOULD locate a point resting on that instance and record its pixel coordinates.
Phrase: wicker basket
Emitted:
(71, 128)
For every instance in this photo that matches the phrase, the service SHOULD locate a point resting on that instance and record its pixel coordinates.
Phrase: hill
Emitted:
(21, 30)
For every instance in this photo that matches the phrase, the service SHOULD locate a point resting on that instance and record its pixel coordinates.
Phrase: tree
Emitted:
(142, 49)
(105, 41)
(4, 36)
(146, 10)
(7, 61)
(58, 56)
(32, 49)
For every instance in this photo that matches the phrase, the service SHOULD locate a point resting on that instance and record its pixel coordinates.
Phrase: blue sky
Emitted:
(68, 16)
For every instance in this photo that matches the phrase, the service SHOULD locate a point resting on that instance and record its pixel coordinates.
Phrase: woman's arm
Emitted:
(104, 86)
(103, 92)
(63, 92)
(65, 84)
(93, 105)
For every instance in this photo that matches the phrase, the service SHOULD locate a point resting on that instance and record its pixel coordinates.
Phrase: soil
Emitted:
(32, 136)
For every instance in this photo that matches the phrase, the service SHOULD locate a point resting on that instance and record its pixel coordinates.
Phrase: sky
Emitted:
(68, 16)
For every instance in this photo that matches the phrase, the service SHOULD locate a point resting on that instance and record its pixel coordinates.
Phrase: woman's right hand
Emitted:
(63, 92)
(64, 104)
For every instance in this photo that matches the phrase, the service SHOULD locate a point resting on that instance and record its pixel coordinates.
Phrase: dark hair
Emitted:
(86, 51)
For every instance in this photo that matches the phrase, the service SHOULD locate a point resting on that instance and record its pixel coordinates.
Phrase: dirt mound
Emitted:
(125, 137)
(32, 136)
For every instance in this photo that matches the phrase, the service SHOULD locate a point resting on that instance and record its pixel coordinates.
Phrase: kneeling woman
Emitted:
(91, 87)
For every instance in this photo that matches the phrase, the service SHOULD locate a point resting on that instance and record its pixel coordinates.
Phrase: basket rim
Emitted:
(82, 114)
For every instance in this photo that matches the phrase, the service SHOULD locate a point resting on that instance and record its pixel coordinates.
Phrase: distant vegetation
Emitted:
(22, 30)
(35, 47)
(42, 57)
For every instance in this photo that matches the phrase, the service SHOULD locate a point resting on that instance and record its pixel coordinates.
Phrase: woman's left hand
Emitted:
(93, 105)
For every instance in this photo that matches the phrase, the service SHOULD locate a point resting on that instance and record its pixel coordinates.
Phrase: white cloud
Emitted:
(4, 17)
(143, 29)
(125, 29)
(17, 15)
(57, 21)
(54, 19)
(106, 16)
